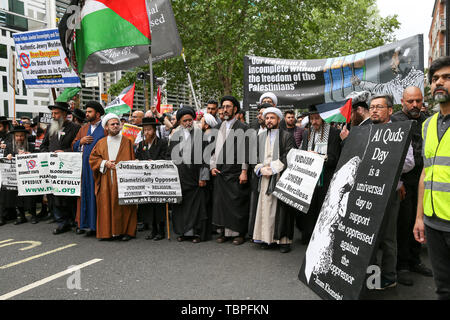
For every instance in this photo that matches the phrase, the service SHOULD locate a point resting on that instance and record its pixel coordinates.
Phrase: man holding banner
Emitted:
(114, 221)
(323, 139)
(84, 142)
(274, 222)
(19, 145)
(58, 138)
(152, 148)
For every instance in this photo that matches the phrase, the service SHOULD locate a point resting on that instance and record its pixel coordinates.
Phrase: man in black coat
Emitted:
(152, 148)
(322, 138)
(229, 168)
(9, 199)
(408, 250)
(58, 138)
(191, 219)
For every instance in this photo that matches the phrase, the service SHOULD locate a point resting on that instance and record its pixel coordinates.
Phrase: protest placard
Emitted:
(130, 130)
(148, 182)
(347, 231)
(297, 183)
(49, 173)
(43, 61)
(298, 83)
(8, 177)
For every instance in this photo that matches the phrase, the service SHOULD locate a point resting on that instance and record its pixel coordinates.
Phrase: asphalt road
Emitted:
(146, 269)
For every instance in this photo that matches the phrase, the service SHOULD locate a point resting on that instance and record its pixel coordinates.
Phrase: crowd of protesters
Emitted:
(233, 201)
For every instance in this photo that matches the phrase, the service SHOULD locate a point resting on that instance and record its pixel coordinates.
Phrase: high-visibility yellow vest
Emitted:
(436, 157)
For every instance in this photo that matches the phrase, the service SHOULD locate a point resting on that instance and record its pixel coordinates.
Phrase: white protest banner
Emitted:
(8, 177)
(65, 173)
(49, 173)
(43, 61)
(297, 183)
(148, 182)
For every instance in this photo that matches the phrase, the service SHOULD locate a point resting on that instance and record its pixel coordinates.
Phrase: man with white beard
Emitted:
(58, 138)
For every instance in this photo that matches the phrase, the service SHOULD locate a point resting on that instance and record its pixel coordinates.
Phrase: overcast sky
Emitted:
(414, 16)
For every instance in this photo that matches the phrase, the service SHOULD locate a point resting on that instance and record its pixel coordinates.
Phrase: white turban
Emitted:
(273, 110)
(269, 95)
(210, 120)
(108, 117)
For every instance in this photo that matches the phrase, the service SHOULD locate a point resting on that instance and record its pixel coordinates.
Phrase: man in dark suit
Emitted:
(231, 187)
(152, 148)
(58, 138)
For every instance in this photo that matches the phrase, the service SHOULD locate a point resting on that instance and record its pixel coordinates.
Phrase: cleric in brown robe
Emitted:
(114, 221)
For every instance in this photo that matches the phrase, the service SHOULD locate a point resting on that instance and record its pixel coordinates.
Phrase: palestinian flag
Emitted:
(67, 94)
(123, 103)
(336, 111)
(112, 35)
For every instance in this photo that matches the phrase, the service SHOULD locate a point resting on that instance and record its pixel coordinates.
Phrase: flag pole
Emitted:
(190, 81)
(150, 62)
(167, 221)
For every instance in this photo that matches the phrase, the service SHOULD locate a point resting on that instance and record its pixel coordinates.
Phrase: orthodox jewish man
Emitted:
(231, 188)
(59, 138)
(114, 221)
(152, 148)
(84, 142)
(19, 145)
(274, 222)
(190, 217)
(324, 139)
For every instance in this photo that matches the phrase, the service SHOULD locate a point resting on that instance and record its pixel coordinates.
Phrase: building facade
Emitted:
(27, 15)
(439, 31)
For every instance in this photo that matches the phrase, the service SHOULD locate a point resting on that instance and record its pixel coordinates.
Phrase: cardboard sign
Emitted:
(8, 176)
(49, 173)
(43, 61)
(346, 234)
(130, 130)
(296, 186)
(148, 182)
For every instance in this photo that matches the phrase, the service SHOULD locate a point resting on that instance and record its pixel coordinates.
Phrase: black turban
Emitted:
(184, 111)
(96, 106)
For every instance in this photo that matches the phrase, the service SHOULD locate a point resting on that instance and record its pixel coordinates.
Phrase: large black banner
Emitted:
(166, 42)
(298, 83)
(346, 233)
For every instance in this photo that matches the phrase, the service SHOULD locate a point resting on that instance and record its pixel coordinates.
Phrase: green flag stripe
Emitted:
(119, 110)
(104, 29)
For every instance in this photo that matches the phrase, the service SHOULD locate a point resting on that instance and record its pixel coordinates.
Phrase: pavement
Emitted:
(34, 266)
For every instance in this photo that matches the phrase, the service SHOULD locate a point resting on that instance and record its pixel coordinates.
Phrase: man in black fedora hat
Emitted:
(152, 148)
(78, 116)
(58, 138)
(10, 200)
(5, 137)
(85, 141)
(324, 139)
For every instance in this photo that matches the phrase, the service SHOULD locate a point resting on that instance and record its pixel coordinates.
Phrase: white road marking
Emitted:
(36, 256)
(31, 246)
(7, 240)
(48, 279)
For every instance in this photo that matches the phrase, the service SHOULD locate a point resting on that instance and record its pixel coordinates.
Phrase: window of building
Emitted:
(15, 22)
(5, 108)
(4, 32)
(3, 51)
(5, 84)
(21, 101)
(24, 88)
(3, 69)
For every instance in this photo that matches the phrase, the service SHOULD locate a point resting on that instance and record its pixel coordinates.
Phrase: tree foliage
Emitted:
(217, 34)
